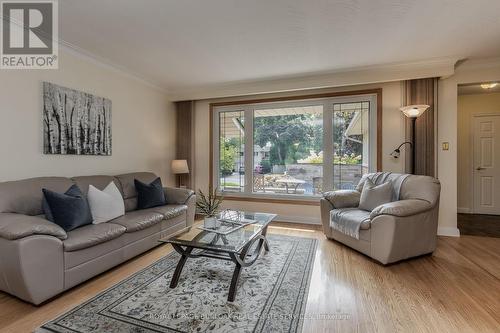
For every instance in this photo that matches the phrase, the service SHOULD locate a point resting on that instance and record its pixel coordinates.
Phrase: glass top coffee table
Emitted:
(242, 246)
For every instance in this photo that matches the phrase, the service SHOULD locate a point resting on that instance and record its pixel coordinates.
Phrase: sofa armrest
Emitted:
(394, 238)
(325, 206)
(191, 210)
(177, 196)
(343, 198)
(16, 226)
(401, 208)
(32, 268)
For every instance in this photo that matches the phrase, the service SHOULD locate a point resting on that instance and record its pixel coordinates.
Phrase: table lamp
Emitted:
(179, 168)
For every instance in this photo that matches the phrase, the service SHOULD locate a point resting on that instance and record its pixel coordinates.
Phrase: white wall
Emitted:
(468, 106)
(468, 72)
(143, 123)
(393, 135)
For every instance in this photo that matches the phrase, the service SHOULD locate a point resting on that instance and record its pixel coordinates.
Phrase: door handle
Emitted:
(480, 168)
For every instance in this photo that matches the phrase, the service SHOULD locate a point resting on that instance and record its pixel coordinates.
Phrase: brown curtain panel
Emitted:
(185, 138)
(422, 91)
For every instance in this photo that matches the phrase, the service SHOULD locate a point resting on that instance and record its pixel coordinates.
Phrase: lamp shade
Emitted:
(179, 166)
(414, 111)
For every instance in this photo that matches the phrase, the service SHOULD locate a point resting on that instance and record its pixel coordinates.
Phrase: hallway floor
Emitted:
(479, 225)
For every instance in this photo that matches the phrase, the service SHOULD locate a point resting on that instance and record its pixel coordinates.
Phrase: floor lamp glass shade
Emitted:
(180, 167)
(414, 111)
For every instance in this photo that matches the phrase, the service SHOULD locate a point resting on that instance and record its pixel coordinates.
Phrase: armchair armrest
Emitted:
(177, 196)
(343, 198)
(401, 208)
(16, 226)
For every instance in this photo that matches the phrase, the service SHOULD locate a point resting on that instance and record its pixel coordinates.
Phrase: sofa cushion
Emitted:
(16, 226)
(128, 187)
(138, 220)
(421, 188)
(354, 213)
(99, 182)
(178, 196)
(170, 211)
(397, 180)
(25, 196)
(91, 235)
(150, 195)
(95, 252)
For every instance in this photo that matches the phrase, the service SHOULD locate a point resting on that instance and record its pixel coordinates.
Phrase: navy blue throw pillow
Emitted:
(150, 195)
(73, 191)
(69, 211)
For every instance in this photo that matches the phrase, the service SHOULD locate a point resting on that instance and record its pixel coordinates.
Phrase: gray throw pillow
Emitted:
(373, 196)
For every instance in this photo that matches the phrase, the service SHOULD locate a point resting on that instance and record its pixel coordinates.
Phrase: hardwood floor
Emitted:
(479, 225)
(457, 289)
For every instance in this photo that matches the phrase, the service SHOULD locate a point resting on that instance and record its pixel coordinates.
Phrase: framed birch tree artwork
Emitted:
(74, 122)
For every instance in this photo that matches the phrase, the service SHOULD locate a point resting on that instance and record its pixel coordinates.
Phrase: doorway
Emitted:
(486, 168)
(479, 159)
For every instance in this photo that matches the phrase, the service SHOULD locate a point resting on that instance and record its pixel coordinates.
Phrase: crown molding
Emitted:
(441, 67)
(345, 77)
(107, 64)
(479, 63)
(100, 61)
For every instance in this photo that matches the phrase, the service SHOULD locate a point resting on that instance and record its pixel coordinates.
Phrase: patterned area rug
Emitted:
(271, 296)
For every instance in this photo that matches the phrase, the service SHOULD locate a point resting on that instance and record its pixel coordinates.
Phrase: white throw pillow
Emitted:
(105, 205)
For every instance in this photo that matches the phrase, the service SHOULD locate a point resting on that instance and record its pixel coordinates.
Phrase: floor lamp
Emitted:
(413, 112)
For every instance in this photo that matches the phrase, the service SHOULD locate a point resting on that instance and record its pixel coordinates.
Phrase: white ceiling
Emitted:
(187, 44)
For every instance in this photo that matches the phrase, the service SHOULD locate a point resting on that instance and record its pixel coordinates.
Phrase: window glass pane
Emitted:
(231, 151)
(288, 156)
(351, 137)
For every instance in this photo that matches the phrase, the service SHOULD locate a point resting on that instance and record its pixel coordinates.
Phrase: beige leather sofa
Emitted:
(394, 231)
(39, 260)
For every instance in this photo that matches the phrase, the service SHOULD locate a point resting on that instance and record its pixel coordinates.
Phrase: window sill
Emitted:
(278, 199)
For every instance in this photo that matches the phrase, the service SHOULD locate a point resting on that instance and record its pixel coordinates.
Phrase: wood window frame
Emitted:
(314, 202)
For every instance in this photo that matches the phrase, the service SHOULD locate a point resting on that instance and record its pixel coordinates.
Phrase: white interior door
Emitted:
(486, 164)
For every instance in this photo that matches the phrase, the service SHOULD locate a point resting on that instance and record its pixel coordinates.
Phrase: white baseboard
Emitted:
(464, 210)
(448, 231)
